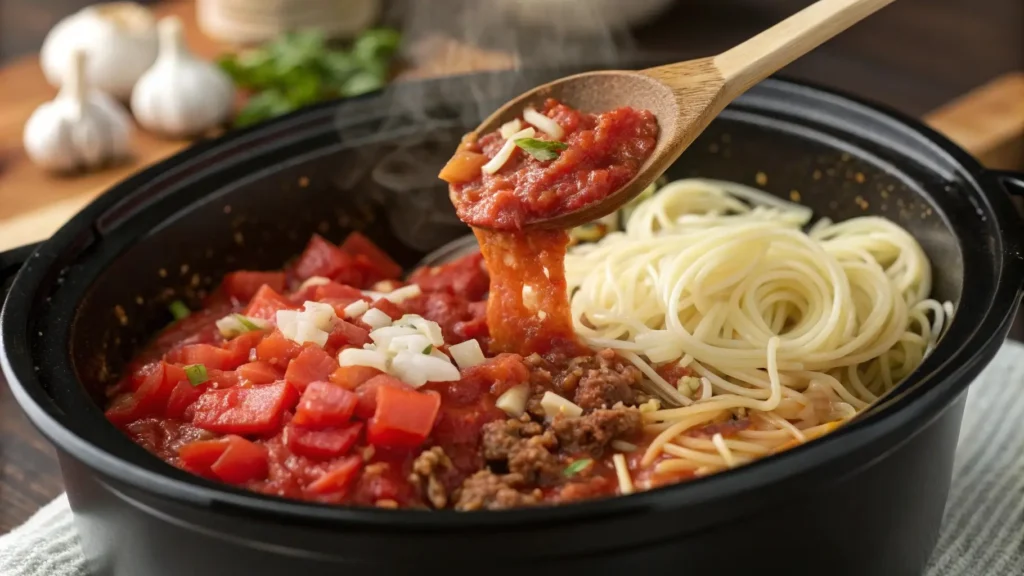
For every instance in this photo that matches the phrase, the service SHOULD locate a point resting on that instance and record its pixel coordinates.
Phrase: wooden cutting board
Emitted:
(989, 122)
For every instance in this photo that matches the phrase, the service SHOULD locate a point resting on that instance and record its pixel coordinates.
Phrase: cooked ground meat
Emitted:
(591, 433)
(601, 381)
(486, 490)
(525, 448)
(427, 472)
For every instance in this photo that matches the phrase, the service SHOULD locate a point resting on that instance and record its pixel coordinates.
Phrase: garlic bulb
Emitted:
(119, 39)
(80, 129)
(181, 95)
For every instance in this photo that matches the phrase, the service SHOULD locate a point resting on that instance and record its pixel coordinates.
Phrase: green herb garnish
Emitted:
(428, 349)
(196, 374)
(541, 149)
(179, 310)
(303, 68)
(246, 323)
(577, 467)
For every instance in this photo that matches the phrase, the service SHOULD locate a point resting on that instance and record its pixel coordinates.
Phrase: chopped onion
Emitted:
(428, 328)
(418, 369)
(382, 336)
(307, 331)
(314, 281)
(320, 314)
(385, 286)
(543, 123)
(287, 321)
(359, 357)
(356, 308)
(503, 155)
(402, 294)
(374, 318)
(513, 400)
(510, 128)
(467, 354)
(410, 343)
(553, 405)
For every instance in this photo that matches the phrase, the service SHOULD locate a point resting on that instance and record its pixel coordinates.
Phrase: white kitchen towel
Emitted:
(982, 534)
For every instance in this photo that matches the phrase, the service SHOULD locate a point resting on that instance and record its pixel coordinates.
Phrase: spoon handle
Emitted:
(761, 56)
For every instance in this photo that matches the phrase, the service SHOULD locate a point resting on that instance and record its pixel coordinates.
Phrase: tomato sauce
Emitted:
(604, 151)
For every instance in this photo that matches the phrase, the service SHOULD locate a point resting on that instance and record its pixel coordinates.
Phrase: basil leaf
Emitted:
(179, 310)
(196, 374)
(542, 150)
(577, 467)
(428, 349)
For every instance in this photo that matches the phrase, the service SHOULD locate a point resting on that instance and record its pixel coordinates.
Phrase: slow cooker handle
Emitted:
(1012, 181)
(10, 262)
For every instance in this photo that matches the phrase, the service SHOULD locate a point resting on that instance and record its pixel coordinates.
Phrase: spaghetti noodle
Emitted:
(733, 312)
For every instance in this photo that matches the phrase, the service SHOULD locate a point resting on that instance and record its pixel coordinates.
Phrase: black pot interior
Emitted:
(252, 202)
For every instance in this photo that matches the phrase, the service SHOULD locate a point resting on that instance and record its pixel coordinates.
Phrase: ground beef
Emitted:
(428, 472)
(486, 490)
(524, 447)
(601, 381)
(591, 433)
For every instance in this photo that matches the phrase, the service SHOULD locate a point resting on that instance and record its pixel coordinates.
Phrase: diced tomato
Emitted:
(151, 396)
(213, 357)
(311, 365)
(265, 304)
(341, 291)
(351, 377)
(200, 455)
(182, 397)
(241, 462)
(499, 373)
(321, 444)
(347, 334)
(244, 284)
(324, 405)
(475, 329)
(259, 372)
(394, 311)
(338, 478)
(466, 277)
(244, 410)
(140, 375)
(403, 418)
(358, 245)
(223, 378)
(241, 346)
(367, 394)
(464, 166)
(277, 350)
(321, 258)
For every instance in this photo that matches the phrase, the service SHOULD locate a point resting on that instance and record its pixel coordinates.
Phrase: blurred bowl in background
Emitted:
(256, 21)
(583, 16)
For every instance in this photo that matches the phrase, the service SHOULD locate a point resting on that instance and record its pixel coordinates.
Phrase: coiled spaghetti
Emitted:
(791, 332)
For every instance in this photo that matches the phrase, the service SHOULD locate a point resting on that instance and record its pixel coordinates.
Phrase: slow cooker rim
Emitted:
(939, 394)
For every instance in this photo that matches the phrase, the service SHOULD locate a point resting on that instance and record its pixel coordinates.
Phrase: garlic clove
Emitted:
(119, 39)
(181, 95)
(80, 128)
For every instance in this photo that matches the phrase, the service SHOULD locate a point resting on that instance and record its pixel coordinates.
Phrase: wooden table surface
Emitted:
(917, 55)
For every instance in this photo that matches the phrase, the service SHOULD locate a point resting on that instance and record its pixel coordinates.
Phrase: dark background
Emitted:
(914, 55)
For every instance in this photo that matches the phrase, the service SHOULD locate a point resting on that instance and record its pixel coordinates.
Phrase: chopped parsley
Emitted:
(196, 374)
(541, 149)
(577, 467)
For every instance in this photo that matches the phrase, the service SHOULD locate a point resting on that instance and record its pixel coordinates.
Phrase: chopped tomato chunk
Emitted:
(321, 258)
(259, 372)
(150, 398)
(367, 394)
(277, 350)
(231, 459)
(223, 378)
(265, 304)
(244, 284)
(213, 357)
(241, 410)
(324, 405)
(183, 396)
(341, 291)
(381, 266)
(403, 418)
(311, 365)
(347, 334)
(351, 377)
(240, 347)
(338, 478)
(394, 311)
(321, 444)
(464, 166)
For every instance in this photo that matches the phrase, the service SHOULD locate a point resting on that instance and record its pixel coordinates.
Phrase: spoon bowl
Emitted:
(685, 96)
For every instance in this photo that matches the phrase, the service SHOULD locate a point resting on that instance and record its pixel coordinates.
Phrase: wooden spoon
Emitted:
(685, 96)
